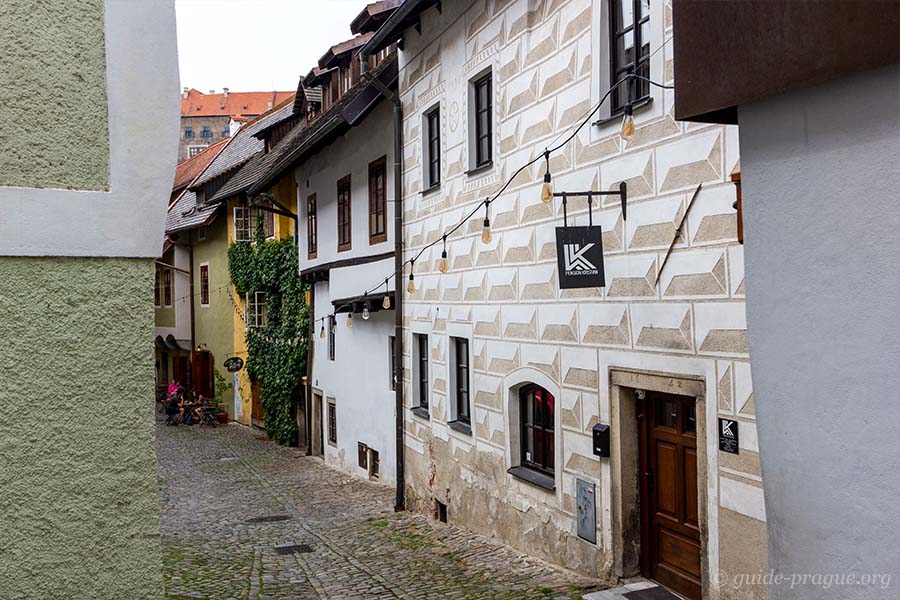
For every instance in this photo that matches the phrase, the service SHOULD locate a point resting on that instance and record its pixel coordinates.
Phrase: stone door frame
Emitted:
(624, 468)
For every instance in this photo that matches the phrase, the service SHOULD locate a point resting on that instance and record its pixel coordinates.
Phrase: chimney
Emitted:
(185, 93)
(212, 91)
(225, 91)
(270, 105)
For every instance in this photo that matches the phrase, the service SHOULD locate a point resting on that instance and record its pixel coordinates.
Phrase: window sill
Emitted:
(344, 249)
(380, 239)
(421, 412)
(479, 170)
(427, 192)
(460, 426)
(533, 477)
(640, 105)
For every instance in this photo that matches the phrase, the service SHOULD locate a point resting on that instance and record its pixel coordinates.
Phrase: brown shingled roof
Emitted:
(188, 170)
(198, 104)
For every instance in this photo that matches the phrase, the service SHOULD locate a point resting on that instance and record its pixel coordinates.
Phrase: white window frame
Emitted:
(466, 332)
(245, 218)
(208, 287)
(604, 124)
(416, 372)
(471, 117)
(427, 185)
(256, 314)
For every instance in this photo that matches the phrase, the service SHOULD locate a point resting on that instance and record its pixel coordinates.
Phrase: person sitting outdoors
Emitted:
(199, 406)
(174, 408)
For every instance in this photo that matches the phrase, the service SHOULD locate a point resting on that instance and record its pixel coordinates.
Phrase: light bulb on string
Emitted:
(350, 317)
(547, 188)
(486, 228)
(386, 303)
(411, 286)
(365, 311)
(322, 331)
(445, 264)
(628, 122)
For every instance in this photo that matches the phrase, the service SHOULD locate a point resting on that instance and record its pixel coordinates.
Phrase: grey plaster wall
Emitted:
(821, 200)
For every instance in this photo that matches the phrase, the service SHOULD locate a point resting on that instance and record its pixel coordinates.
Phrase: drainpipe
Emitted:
(394, 98)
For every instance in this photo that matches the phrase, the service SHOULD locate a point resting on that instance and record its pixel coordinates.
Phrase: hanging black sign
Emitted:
(579, 253)
(234, 364)
(728, 435)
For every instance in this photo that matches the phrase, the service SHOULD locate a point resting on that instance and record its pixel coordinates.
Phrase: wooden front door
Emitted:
(203, 373)
(257, 412)
(670, 525)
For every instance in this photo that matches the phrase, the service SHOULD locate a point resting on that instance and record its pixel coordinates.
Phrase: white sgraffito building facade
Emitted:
(676, 333)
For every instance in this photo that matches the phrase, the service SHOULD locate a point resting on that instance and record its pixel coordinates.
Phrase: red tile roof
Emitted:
(198, 104)
(187, 170)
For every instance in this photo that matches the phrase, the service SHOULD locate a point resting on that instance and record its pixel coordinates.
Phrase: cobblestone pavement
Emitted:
(230, 497)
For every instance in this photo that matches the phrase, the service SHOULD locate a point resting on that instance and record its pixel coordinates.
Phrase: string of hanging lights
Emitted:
(547, 195)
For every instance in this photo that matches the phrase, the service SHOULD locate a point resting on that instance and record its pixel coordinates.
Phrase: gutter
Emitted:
(387, 29)
(399, 410)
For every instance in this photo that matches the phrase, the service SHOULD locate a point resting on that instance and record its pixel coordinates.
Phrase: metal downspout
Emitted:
(400, 498)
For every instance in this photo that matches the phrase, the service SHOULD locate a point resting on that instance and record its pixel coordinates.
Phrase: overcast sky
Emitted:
(257, 45)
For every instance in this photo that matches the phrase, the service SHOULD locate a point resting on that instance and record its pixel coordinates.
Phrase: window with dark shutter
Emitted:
(331, 335)
(156, 288)
(433, 122)
(461, 365)
(422, 381)
(204, 285)
(167, 287)
(629, 52)
(377, 174)
(343, 216)
(312, 227)
(483, 121)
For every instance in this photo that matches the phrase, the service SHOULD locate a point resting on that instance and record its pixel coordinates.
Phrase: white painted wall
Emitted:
(181, 297)
(359, 381)
(350, 154)
(821, 173)
(359, 378)
(128, 220)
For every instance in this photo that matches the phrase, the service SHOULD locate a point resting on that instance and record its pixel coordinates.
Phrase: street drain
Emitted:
(269, 519)
(293, 548)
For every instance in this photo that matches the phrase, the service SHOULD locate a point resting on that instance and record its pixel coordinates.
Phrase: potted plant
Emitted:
(222, 388)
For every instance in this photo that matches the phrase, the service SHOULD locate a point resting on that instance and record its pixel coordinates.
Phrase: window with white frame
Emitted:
(460, 384)
(421, 381)
(431, 148)
(257, 309)
(331, 335)
(241, 223)
(481, 121)
(629, 51)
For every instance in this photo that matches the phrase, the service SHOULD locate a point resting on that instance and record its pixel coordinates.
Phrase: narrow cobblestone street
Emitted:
(230, 497)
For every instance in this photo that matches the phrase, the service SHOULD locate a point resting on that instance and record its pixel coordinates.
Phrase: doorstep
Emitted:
(652, 591)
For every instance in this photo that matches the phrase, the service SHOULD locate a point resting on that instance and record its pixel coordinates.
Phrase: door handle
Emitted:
(649, 476)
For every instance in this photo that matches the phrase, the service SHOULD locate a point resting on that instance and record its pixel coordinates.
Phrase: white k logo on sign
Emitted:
(726, 428)
(575, 260)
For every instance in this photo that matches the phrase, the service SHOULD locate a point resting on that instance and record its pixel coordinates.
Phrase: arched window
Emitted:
(536, 414)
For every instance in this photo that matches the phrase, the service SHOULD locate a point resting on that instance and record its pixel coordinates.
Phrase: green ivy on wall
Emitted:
(276, 352)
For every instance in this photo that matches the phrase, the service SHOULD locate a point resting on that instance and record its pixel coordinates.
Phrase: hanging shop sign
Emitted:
(728, 435)
(579, 252)
(234, 364)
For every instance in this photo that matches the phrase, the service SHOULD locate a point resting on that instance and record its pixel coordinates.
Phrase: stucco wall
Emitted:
(78, 494)
(53, 140)
(820, 181)
(214, 324)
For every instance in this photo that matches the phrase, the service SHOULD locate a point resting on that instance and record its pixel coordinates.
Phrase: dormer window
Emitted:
(346, 81)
